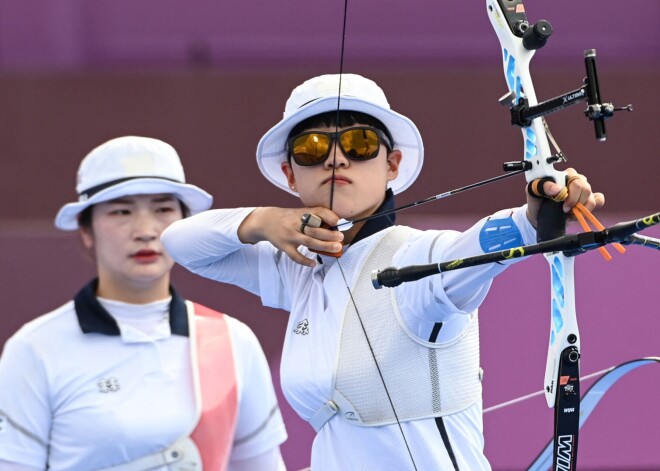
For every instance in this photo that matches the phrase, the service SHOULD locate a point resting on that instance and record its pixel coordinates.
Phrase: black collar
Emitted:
(377, 224)
(93, 318)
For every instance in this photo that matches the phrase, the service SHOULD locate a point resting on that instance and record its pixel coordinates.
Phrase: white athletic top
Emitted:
(317, 297)
(83, 401)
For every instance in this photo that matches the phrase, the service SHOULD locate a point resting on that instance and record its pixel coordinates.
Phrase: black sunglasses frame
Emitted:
(334, 136)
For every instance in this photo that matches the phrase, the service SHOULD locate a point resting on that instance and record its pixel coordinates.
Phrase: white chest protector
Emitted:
(208, 444)
(423, 379)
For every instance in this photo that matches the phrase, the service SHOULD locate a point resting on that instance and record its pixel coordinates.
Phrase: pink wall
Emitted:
(210, 77)
(48, 121)
(102, 33)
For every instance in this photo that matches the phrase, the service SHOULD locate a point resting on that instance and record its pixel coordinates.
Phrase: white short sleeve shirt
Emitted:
(86, 392)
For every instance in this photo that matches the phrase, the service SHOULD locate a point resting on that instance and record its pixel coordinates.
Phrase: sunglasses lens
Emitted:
(310, 149)
(360, 144)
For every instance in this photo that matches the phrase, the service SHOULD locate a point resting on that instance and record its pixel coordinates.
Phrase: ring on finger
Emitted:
(309, 219)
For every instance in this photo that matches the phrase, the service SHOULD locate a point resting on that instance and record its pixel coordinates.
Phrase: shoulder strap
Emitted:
(215, 385)
(216, 397)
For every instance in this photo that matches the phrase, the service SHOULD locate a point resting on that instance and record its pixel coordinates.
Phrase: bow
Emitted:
(519, 41)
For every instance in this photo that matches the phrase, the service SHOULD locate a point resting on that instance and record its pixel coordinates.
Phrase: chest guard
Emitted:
(209, 445)
(423, 379)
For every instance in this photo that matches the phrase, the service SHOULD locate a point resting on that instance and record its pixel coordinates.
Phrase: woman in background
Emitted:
(128, 375)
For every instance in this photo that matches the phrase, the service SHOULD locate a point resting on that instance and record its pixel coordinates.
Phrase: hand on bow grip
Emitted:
(577, 197)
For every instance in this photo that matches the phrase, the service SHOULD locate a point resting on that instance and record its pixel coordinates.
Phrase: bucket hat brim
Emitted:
(195, 199)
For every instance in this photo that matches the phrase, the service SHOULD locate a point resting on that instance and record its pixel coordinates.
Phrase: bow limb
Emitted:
(591, 399)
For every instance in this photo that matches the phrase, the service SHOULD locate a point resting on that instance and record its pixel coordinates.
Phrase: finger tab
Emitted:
(535, 187)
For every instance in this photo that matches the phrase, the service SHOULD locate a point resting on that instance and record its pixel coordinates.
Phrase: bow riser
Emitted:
(515, 60)
(561, 381)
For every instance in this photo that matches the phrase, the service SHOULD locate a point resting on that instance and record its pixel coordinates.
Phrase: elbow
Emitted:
(170, 239)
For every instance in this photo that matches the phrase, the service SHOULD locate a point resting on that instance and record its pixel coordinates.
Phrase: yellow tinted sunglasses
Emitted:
(357, 143)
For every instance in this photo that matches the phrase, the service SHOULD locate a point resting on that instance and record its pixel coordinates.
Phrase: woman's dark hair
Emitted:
(346, 118)
(85, 217)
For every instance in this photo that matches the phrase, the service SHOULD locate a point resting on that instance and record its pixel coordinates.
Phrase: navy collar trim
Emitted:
(377, 224)
(93, 318)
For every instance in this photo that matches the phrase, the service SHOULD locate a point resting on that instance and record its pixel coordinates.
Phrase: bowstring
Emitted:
(341, 269)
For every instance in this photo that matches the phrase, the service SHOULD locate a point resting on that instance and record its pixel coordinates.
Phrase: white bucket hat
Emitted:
(319, 95)
(126, 166)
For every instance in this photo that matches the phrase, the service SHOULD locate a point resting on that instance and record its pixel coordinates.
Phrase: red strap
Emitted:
(214, 433)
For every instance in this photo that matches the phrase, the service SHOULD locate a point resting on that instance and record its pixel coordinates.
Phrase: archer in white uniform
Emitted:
(410, 396)
(108, 378)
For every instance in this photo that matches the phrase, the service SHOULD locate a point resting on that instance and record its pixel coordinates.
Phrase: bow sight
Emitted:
(534, 37)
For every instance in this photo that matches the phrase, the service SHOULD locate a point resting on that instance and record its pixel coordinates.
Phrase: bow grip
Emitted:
(551, 220)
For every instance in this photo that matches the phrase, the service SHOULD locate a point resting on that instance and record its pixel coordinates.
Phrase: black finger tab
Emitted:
(535, 187)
